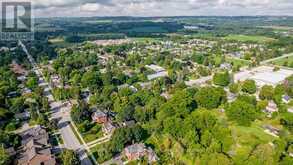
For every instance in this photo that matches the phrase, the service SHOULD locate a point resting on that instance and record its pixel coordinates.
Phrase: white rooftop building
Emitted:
(157, 75)
(155, 68)
(264, 75)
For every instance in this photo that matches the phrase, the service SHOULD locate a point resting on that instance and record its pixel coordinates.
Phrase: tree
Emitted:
(221, 79)
(32, 82)
(91, 79)
(287, 121)
(210, 97)
(266, 92)
(289, 86)
(215, 159)
(69, 157)
(241, 112)
(262, 154)
(234, 88)
(249, 86)
(80, 113)
(4, 157)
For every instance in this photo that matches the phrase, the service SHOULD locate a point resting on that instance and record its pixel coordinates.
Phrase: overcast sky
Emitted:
(69, 8)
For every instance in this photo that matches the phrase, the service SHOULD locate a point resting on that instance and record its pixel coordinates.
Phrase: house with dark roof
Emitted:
(35, 149)
(99, 117)
(271, 130)
(286, 99)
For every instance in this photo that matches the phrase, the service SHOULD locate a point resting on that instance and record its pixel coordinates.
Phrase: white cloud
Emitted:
(45, 8)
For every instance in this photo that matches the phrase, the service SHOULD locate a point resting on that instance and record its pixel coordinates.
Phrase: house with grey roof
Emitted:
(139, 150)
(35, 149)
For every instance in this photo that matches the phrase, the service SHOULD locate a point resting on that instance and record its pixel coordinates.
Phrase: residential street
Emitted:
(69, 138)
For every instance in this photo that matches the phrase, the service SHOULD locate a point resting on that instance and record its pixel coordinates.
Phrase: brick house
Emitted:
(135, 151)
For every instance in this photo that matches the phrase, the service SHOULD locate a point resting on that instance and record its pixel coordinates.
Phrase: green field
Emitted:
(56, 40)
(245, 38)
(287, 62)
(238, 62)
(92, 134)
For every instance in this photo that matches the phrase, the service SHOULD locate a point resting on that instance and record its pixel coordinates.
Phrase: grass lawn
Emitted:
(235, 61)
(287, 61)
(56, 40)
(93, 133)
(245, 38)
(103, 151)
(238, 62)
(144, 39)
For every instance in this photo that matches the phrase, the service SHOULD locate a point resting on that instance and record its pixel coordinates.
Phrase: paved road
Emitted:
(69, 138)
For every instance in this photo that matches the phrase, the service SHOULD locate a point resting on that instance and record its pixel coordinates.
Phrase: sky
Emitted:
(81, 8)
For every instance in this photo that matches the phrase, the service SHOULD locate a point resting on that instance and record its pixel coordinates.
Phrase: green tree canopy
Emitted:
(221, 78)
(210, 97)
(241, 112)
(69, 157)
(266, 92)
(249, 86)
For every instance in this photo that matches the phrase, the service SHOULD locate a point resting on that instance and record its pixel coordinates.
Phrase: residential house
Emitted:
(159, 72)
(271, 130)
(108, 128)
(226, 66)
(21, 78)
(26, 91)
(157, 75)
(166, 95)
(131, 87)
(271, 108)
(152, 156)
(146, 85)
(22, 116)
(286, 99)
(35, 149)
(99, 117)
(231, 97)
(18, 69)
(135, 151)
(139, 150)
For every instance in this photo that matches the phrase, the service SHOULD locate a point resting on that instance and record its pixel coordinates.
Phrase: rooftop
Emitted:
(264, 75)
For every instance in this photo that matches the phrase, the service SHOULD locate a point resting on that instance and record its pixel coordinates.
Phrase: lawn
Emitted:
(238, 62)
(56, 40)
(91, 133)
(145, 39)
(235, 61)
(246, 38)
(287, 61)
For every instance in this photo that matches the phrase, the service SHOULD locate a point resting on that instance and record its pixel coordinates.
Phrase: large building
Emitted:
(264, 75)
(35, 149)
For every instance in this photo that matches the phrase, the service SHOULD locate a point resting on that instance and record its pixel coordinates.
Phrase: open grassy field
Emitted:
(287, 62)
(284, 28)
(238, 62)
(144, 39)
(56, 40)
(245, 38)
